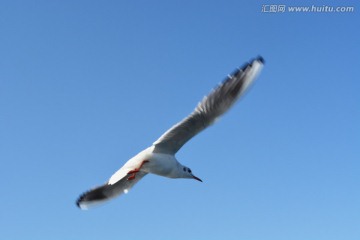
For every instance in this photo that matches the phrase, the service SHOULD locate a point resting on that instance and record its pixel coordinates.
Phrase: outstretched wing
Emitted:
(107, 191)
(210, 108)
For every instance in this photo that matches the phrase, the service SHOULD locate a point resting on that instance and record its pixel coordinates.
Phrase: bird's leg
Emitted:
(136, 170)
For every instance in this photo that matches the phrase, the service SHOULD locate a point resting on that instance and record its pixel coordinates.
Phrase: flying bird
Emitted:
(160, 158)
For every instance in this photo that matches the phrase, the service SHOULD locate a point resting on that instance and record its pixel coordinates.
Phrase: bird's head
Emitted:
(186, 173)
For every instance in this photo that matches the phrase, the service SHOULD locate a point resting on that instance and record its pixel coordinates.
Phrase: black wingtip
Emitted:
(79, 200)
(245, 65)
(260, 59)
(94, 195)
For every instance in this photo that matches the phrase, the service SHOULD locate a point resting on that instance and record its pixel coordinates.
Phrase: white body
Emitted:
(161, 164)
(160, 158)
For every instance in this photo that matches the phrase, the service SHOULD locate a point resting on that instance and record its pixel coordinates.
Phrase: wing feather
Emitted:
(210, 108)
(107, 191)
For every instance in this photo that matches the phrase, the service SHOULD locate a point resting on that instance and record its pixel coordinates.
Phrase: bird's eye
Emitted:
(189, 170)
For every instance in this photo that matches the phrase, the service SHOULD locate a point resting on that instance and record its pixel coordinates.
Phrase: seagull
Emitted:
(160, 158)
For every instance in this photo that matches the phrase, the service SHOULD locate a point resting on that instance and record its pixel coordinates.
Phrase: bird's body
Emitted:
(160, 158)
(162, 164)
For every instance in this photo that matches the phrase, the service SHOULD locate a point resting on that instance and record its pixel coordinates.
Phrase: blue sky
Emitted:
(85, 85)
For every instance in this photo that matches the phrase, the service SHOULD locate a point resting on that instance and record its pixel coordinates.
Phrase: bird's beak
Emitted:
(196, 178)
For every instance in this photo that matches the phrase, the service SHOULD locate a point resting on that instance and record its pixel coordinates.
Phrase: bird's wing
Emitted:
(107, 191)
(210, 108)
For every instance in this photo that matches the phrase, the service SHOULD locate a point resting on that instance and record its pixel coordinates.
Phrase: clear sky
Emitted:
(85, 85)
